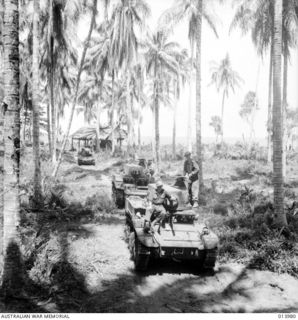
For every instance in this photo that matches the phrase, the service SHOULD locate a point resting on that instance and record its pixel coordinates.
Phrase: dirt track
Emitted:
(171, 287)
(98, 254)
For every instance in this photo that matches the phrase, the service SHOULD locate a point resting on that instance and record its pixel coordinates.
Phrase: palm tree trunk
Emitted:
(1, 139)
(139, 135)
(129, 115)
(254, 110)
(189, 117)
(112, 113)
(222, 115)
(284, 115)
(51, 81)
(98, 126)
(139, 117)
(269, 117)
(35, 106)
(49, 128)
(174, 126)
(1, 178)
(157, 134)
(277, 116)
(12, 278)
(78, 80)
(153, 134)
(198, 92)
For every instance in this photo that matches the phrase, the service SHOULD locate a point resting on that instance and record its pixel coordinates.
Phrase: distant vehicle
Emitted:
(86, 157)
(182, 238)
(133, 181)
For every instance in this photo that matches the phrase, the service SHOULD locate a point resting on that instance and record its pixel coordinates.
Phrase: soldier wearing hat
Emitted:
(191, 173)
(158, 201)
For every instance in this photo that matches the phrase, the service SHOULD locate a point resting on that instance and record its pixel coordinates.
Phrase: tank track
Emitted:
(142, 259)
(210, 258)
(118, 198)
(138, 253)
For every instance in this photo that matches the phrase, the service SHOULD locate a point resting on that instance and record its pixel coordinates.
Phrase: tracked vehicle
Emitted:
(181, 238)
(86, 157)
(133, 181)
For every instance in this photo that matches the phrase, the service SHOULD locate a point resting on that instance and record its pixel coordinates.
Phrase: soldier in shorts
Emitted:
(158, 201)
(191, 173)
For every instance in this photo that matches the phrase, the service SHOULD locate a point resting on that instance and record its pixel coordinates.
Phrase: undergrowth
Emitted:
(251, 239)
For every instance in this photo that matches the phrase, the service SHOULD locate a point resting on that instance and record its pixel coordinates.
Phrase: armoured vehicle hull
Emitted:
(133, 181)
(181, 238)
(86, 161)
(86, 157)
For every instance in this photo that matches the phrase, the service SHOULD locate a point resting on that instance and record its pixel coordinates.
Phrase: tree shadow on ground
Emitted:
(127, 292)
(14, 297)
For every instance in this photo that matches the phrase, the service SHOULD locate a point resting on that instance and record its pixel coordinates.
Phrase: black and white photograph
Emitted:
(148, 158)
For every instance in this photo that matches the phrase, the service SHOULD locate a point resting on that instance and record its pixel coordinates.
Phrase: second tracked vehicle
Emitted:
(132, 181)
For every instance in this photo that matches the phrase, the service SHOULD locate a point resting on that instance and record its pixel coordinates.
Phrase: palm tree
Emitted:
(139, 83)
(78, 80)
(99, 61)
(258, 16)
(11, 203)
(248, 111)
(124, 46)
(188, 10)
(1, 127)
(178, 81)
(36, 105)
(277, 116)
(216, 125)
(162, 58)
(225, 79)
(58, 18)
(193, 11)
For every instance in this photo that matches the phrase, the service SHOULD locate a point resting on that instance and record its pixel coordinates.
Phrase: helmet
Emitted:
(159, 184)
(186, 154)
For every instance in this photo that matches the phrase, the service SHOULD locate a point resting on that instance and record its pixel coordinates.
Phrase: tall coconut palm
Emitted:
(248, 111)
(162, 61)
(36, 105)
(198, 91)
(277, 116)
(190, 11)
(78, 80)
(126, 15)
(99, 61)
(1, 176)
(12, 145)
(225, 79)
(258, 17)
(1, 126)
(179, 81)
(139, 83)
(58, 18)
(216, 125)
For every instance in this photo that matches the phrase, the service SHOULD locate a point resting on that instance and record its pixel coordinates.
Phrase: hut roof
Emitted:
(89, 133)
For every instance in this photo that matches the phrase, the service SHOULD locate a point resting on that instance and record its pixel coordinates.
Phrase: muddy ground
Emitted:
(101, 278)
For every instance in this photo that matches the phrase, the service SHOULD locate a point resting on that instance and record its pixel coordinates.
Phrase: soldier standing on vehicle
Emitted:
(191, 173)
(158, 204)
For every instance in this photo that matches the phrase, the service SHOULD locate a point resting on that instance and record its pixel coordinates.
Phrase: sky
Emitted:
(244, 60)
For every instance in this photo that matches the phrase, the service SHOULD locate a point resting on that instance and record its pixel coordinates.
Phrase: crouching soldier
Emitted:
(159, 211)
(191, 173)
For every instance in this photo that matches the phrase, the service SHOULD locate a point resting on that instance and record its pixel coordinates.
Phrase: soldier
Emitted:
(191, 173)
(158, 204)
(150, 167)
(142, 163)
